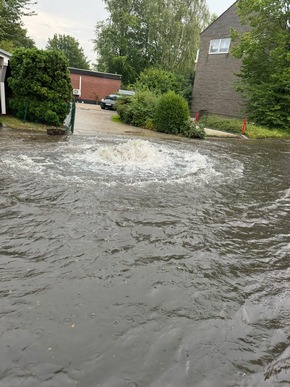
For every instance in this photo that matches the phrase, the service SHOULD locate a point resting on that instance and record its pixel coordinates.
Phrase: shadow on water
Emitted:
(132, 262)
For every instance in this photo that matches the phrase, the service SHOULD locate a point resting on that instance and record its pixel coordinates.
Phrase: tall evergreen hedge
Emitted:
(41, 86)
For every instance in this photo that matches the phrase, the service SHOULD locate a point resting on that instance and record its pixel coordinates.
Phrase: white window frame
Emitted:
(222, 48)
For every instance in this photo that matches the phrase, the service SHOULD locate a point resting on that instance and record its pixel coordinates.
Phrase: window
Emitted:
(219, 46)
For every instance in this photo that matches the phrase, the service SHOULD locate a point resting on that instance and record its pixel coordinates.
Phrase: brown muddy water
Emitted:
(138, 262)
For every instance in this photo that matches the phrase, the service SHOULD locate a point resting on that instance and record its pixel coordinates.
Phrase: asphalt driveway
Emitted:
(91, 119)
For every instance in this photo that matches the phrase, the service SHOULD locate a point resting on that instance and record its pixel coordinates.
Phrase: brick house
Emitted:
(216, 69)
(91, 86)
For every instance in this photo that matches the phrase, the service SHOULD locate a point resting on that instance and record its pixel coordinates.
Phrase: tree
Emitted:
(71, 49)
(157, 81)
(265, 52)
(12, 33)
(40, 84)
(151, 33)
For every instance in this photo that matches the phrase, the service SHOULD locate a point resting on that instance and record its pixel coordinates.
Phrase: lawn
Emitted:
(234, 125)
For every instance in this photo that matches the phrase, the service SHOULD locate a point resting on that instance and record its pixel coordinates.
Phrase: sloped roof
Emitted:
(91, 73)
(5, 54)
(219, 16)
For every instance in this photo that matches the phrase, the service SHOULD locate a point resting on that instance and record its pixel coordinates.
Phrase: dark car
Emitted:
(109, 101)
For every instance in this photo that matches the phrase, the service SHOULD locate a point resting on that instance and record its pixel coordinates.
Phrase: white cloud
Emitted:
(45, 24)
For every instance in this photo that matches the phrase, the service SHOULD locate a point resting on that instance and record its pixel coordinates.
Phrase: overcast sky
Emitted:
(78, 18)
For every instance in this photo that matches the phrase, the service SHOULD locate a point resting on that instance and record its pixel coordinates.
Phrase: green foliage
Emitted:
(158, 81)
(186, 84)
(123, 108)
(138, 110)
(265, 52)
(194, 130)
(234, 125)
(151, 33)
(71, 49)
(172, 113)
(40, 84)
(121, 65)
(12, 33)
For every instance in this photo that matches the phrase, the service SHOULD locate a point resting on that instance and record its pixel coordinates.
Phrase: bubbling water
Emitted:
(133, 161)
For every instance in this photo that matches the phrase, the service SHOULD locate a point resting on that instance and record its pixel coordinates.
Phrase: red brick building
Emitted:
(91, 86)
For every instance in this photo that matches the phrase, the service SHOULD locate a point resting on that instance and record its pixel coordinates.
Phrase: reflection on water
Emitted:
(129, 262)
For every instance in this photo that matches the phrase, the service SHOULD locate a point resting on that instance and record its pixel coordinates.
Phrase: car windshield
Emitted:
(113, 97)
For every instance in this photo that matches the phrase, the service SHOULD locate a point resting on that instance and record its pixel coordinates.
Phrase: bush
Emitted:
(172, 113)
(40, 85)
(137, 110)
(158, 81)
(123, 108)
(194, 130)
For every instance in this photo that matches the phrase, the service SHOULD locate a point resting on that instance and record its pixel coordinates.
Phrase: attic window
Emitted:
(219, 46)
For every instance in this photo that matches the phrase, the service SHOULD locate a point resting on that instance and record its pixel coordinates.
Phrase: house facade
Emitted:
(216, 69)
(4, 62)
(91, 86)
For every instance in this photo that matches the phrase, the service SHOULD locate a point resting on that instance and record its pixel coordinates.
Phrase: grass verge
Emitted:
(234, 125)
(15, 123)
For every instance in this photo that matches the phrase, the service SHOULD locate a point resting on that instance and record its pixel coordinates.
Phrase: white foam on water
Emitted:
(141, 160)
(134, 162)
(134, 154)
(26, 163)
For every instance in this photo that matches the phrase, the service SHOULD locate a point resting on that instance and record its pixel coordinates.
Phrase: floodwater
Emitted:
(144, 262)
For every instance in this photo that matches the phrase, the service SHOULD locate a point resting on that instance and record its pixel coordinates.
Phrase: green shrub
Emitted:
(123, 108)
(172, 113)
(40, 85)
(194, 130)
(149, 124)
(137, 110)
(158, 81)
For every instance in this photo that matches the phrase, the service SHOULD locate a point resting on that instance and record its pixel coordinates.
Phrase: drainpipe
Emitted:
(80, 86)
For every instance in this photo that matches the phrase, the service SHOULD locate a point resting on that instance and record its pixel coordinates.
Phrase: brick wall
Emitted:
(214, 86)
(94, 85)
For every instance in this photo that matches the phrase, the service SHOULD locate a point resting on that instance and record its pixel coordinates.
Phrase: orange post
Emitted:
(244, 126)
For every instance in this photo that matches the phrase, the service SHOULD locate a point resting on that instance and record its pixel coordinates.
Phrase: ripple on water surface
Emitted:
(144, 263)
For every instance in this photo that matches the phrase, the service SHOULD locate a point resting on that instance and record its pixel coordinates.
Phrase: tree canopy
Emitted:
(150, 33)
(265, 52)
(70, 47)
(12, 32)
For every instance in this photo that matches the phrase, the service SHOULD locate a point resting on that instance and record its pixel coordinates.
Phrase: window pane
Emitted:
(225, 45)
(214, 46)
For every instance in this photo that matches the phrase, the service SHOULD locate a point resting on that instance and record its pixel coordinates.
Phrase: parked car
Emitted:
(109, 101)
